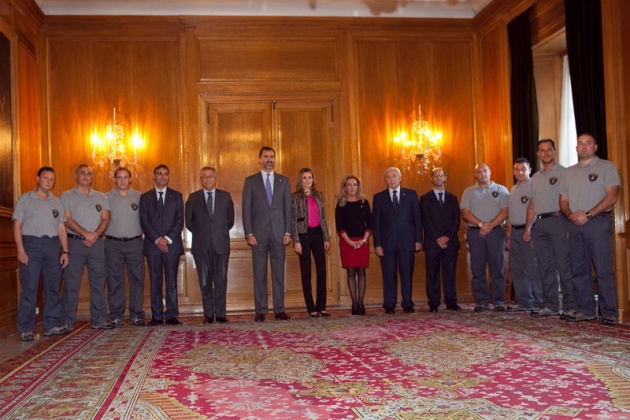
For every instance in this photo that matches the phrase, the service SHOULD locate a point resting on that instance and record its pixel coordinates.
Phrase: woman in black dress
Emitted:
(353, 218)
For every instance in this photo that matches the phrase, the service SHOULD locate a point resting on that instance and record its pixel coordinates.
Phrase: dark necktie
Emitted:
(441, 194)
(161, 199)
(395, 200)
(209, 204)
(268, 188)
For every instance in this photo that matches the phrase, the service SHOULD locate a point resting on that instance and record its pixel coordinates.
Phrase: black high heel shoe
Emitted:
(361, 310)
(313, 315)
(355, 310)
(324, 314)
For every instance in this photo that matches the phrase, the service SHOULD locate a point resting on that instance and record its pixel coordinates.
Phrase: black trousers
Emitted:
(313, 242)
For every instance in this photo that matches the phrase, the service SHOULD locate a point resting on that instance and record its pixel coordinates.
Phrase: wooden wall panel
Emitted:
(616, 43)
(257, 59)
(89, 78)
(29, 105)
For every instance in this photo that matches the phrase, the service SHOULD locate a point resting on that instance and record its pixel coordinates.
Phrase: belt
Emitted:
(518, 226)
(73, 236)
(123, 239)
(550, 214)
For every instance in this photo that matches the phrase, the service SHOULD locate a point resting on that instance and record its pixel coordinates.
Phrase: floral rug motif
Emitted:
(407, 366)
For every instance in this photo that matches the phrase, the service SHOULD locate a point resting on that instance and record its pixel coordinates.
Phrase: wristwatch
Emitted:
(480, 225)
(589, 216)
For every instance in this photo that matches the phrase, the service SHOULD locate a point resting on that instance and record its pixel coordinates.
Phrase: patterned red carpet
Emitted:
(423, 365)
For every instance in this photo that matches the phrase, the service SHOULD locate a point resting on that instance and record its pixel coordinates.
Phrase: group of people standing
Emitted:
(559, 223)
(560, 233)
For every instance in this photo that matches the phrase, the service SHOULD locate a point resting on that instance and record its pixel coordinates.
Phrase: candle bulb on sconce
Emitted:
(110, 149)
(422, 151)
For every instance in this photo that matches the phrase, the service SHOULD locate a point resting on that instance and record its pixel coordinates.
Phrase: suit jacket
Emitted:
(156, 224)
(205, 228)
(391, 228)
(261, 220)
(299, 209)
(440, 221)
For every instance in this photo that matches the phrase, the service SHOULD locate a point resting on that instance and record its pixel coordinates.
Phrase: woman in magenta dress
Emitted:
(353, 218)
(310, 235)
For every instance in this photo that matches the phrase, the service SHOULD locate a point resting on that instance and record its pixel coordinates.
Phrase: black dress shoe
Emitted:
(324, 313)
(155, 322)
(282, 316)
(433, 308)
(208, 320)
(409, 310)
(259, 318)
(390, 311)
(453, 307)
(222, 319)
(313, 314)
(173, 321)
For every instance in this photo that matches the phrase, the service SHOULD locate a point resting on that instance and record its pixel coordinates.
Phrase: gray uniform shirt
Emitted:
(519, 200)
(546, 189)
(124, 218)
(485, 202)
(39, 217)
(585, 186)
(87, 209)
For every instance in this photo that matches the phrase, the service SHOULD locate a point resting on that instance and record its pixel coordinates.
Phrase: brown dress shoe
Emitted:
(259, 318)
(282, 316)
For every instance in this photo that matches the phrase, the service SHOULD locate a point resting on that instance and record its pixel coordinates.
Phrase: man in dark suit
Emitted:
(209, 217)
(397, 230)
(440, 222)
(267, 224)
(162, 221)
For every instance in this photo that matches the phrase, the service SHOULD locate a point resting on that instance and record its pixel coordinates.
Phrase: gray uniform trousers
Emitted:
(487, 251)
(588, 243)
(528, 291)
(43, 258)
(549, 236)
(94, 258)
(121, 255)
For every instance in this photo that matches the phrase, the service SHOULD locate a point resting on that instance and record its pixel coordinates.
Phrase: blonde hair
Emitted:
(342, 198)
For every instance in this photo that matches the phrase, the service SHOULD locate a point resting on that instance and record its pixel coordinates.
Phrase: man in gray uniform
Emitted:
(485, 208)
(124, 249)
(40, 236)
(523, 263)
(87, 217)
(549, 234)
(587, 195)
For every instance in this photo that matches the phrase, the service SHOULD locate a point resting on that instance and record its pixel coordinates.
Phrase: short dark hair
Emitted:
(45, 169)
(553, 144)
(586, 133)
(122, 168)
(523, 160)
(266, 149)
(161, 166)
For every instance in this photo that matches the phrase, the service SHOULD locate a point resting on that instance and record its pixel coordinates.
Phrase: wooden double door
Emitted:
(302, 135)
